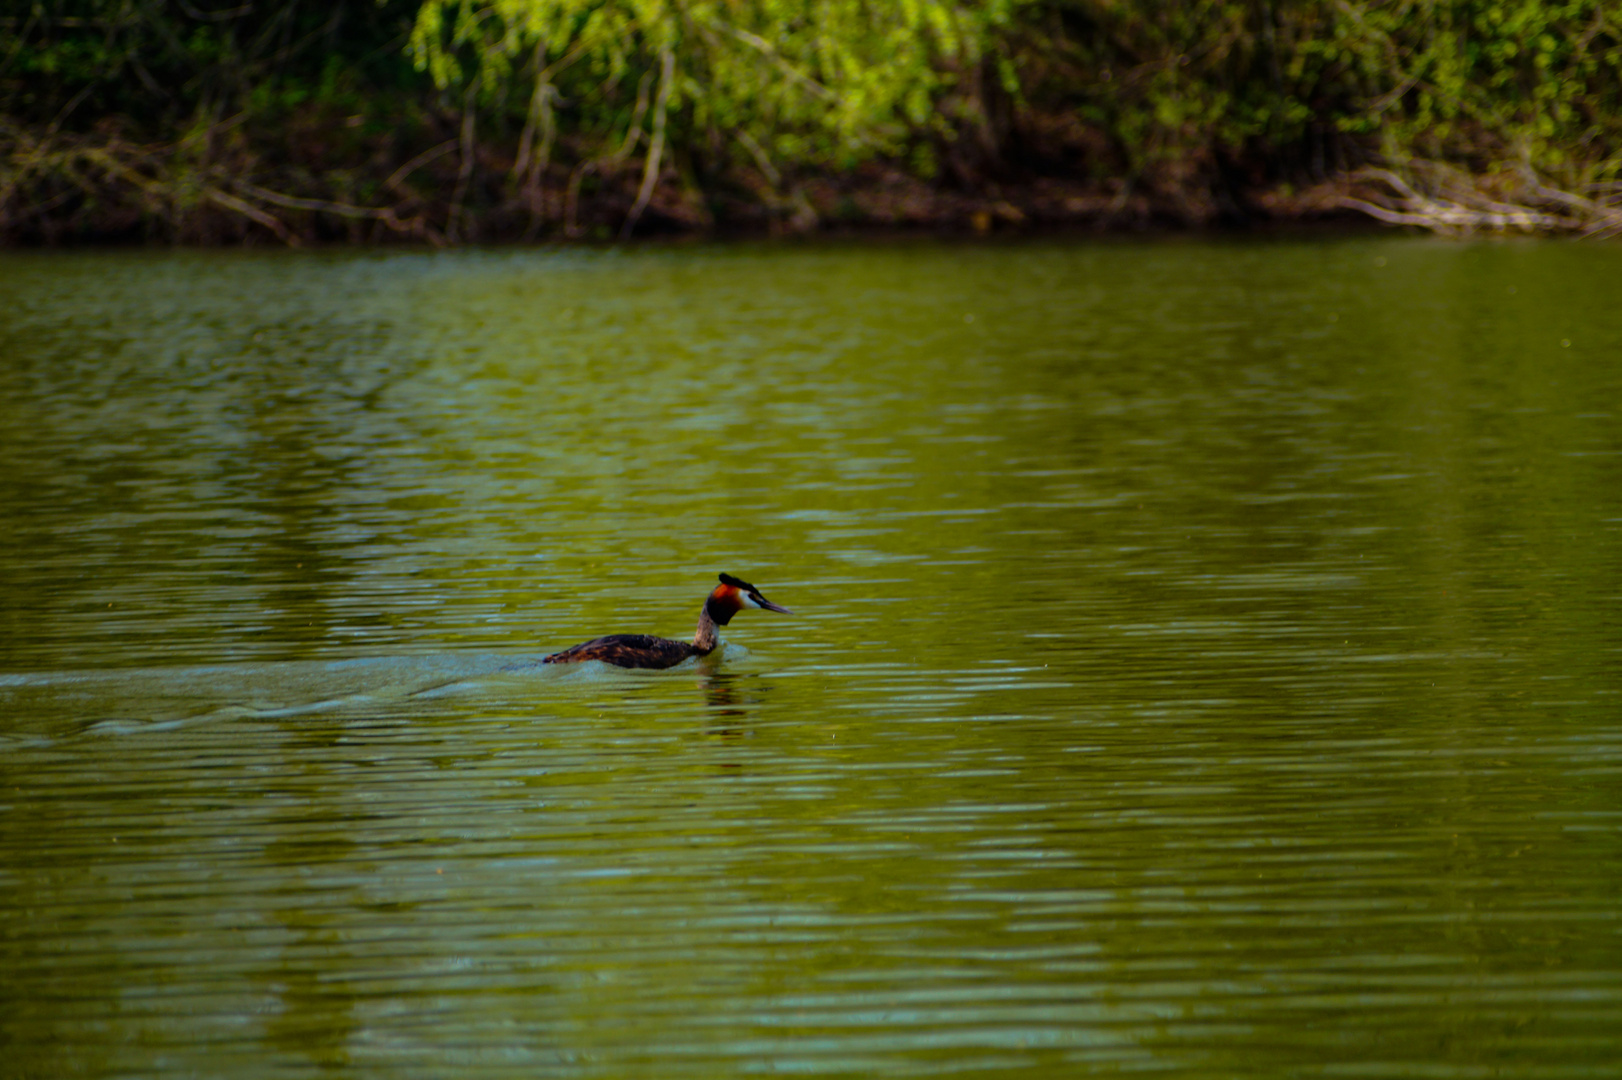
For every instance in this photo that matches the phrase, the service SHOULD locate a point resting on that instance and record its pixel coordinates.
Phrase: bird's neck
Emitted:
(714, 615)
(708, 635)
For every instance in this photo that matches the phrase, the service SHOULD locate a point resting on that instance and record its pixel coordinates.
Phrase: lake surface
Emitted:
(1207, 662)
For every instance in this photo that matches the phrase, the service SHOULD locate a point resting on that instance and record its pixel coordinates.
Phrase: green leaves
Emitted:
(1491, 83)
(783, 83)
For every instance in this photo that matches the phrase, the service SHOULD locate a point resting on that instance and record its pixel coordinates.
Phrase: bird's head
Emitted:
(735, 594)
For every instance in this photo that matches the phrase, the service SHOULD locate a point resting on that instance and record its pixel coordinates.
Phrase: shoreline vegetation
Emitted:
(448, 121)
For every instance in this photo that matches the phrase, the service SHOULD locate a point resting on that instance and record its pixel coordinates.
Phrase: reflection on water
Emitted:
(1206, 662)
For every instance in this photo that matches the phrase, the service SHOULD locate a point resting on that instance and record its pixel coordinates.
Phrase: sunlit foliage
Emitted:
(823, 82)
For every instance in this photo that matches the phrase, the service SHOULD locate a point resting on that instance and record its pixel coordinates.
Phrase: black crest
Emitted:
(737, 583)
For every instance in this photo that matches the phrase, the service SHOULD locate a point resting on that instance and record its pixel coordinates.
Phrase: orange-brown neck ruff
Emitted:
(725, 602)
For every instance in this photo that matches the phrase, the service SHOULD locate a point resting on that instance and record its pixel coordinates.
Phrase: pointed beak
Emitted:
(769, 606)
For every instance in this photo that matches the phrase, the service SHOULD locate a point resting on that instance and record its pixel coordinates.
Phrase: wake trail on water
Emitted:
(48, 705)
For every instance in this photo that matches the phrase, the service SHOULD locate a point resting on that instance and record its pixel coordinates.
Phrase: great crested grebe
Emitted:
(647, 651)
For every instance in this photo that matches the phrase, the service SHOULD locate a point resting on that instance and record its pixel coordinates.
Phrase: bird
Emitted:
(647, 651)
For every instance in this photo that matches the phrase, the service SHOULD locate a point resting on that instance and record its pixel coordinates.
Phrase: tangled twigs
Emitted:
(41, 173)
(100, 182)
(1443, 199)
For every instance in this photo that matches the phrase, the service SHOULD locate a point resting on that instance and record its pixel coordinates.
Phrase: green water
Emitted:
(1207, 662)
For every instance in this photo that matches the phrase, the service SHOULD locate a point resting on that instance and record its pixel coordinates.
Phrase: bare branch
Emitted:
(248, 210)
(656, 147)
(398, 176)
(633, 131)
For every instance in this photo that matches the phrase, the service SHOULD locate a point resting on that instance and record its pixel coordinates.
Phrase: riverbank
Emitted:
(431, 121)
(217, 188)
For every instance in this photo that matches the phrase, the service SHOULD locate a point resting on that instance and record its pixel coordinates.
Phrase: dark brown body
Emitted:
(628, 651)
